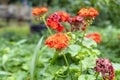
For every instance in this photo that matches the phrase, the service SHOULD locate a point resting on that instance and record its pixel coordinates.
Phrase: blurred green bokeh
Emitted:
(17, 43)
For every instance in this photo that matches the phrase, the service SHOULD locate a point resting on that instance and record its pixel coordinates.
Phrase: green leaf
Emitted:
(4, 59)
(116, 66)
(88, 42)
(5, 73)
(21, 75)
(49, 72)
(74, 67)
(21, 41)
(95, 51)
(86, 77)
(89, 62)
(33, 63)
(73, 49)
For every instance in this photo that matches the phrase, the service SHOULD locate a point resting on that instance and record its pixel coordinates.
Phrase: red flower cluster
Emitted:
(80, 22)
(105, 67)
(91, 12)
(57, 41)
(39, 11)
(63, 16)
(76, 22)
(95, 36)
(54, 20)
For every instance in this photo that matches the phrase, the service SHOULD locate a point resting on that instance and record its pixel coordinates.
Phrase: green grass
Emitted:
(17, 29)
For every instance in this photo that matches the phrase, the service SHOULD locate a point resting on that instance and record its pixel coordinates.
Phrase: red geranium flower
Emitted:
(60, 28)
(105, 67)
(39, 11)
(95, 36)
(58, 41)
(52, 24)
(54, 20)
(76, 22)
(83, 12)
(64, 16)
(91, 12)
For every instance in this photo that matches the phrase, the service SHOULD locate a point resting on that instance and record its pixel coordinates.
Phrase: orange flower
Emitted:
(55, 25)
(118, 37)
(95, 36)
(43, 9)
(58, 41)
(91, 12)
(60, 28)
(54, 20)
(35, 11)
(64, 16)
(83, 12)
(39, 11)
(52, 24)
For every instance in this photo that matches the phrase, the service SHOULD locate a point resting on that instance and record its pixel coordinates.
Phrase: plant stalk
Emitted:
(43, 17)
(96, 75)
(54, 57)
(66, 61)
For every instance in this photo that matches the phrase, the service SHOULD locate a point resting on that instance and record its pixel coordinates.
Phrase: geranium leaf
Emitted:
(86, 77)
(74, 49)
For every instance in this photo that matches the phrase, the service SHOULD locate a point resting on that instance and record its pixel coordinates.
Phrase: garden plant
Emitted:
(74, 53)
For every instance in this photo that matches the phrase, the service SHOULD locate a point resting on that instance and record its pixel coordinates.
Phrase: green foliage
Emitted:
(34, 59)
(78, 54)
(86, 77)
(16, 58)
(109, 46)
(117, 72)
(14, 33)
(89, 62)
(74, 49)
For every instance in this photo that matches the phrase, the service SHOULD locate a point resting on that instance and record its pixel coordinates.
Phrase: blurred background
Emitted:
(20, 31)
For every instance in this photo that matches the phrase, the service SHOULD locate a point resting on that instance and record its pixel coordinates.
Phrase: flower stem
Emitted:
(66, 61)
(54, 57)
(80, 67)
(83, 36)
(43, 17)
(96, 75)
